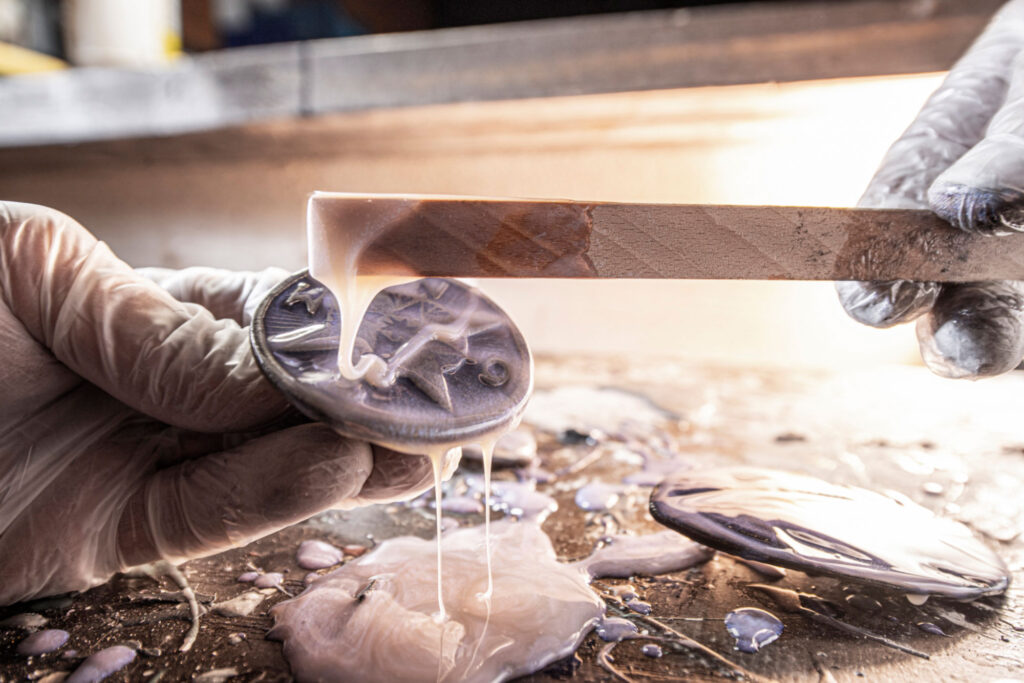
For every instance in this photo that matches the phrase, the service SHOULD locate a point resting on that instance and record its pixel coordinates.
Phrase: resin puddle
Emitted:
(373, 619)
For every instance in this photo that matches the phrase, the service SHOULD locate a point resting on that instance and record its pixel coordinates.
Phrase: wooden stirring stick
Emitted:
(473, 237)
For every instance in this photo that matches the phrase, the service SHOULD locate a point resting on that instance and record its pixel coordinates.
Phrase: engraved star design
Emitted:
(303, 293)
(427, 372)
(428, 366)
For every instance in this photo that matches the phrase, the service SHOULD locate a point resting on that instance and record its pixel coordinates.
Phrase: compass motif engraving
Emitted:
(446, 364)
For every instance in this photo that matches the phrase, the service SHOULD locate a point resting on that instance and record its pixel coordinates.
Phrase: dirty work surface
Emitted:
(957, 447)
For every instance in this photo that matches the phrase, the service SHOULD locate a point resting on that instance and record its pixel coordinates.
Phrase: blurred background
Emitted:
(62, 28)
(187, 132)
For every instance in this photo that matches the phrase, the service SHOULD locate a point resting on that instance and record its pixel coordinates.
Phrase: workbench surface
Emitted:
(893, 428)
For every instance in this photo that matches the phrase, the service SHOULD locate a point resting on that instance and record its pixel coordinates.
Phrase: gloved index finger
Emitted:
(228, 294)
(953, 119)
(983, 191)
(168, 359)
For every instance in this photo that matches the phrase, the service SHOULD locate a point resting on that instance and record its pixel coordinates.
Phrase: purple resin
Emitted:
(518, 499)
(615, 629)
(101, 664)
(651, 650)
(598, 496)
(929, 627)
(462, 505)
(269, 580)
(42, 642)
(623, 556)
(752, 628)
(318, 555)
(639, 606)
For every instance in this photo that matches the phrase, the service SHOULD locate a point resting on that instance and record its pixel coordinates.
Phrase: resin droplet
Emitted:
(929, 627)
(639, 606)
(42, 642)
(598, 496)
(752, 628)
(518, 499)
(615, 629)
(623, 556)
(652, 650)
(269, 580)
(318, 555)
(624, 592)
(101, 664)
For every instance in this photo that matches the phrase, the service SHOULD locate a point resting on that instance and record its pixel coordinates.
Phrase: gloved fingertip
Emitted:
(974, 331)
(978, 210)
(396, 476)
(884, 304)
(264, 281)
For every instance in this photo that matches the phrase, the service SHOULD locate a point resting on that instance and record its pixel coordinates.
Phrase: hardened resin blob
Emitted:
(813, 526)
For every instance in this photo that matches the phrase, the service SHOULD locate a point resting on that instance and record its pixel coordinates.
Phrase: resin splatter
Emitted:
(624, 556)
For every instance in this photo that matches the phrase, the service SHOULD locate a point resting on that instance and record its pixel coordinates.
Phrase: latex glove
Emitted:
(126, 412)
(963, 157)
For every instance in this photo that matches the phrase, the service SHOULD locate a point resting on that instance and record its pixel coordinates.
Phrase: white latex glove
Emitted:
(962, 157)
(135, 425)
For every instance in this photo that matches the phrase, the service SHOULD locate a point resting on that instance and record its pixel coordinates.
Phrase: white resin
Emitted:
(538, 612)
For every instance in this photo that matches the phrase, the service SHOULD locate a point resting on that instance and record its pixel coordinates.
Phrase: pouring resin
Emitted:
(419, 366)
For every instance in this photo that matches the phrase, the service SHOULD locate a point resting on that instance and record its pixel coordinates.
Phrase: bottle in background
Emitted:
(122, 33)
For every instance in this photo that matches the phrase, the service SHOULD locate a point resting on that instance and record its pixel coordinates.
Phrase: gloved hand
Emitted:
(134, 422)
(963, 157)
